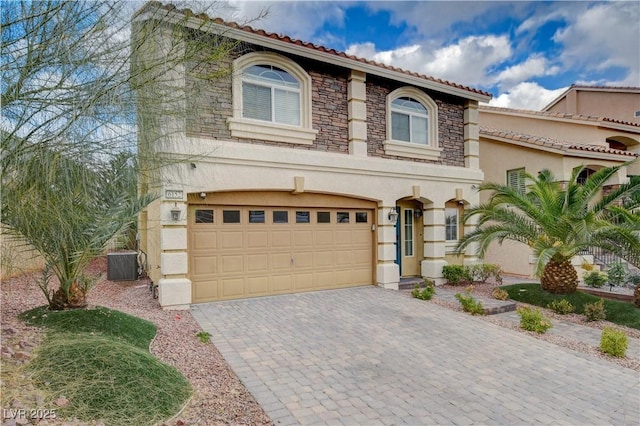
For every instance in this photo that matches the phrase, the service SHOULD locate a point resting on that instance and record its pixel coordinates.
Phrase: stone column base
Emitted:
(388, 275)
(174, 293)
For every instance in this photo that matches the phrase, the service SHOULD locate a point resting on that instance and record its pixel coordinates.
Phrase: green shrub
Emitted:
(614, 342)
(426, 293)
(616, 274)
(562, 306)
(595, 279)
(595, 311)
(469, 303)
(483, 271)
(633, 279)
(456, 274)
(533, 320)
(499, 294)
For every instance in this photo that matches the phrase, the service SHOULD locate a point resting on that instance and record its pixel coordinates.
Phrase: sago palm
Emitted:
(558, 220)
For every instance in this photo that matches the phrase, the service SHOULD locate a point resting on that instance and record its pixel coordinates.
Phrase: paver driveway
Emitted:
(365, 356)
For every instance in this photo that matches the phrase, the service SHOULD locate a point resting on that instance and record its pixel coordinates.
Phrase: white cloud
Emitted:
(527, 95)
(535, 66)
(296, 19)
(604, 36)
(469, 61)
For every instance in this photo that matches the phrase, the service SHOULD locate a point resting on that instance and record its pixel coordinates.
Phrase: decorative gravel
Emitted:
(484, 291)
(219, 396)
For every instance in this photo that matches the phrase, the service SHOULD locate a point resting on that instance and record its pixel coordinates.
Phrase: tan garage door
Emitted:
(247, 251)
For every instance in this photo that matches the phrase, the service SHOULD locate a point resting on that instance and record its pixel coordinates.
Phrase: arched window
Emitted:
(412, 124)
(271, 99)
(270, 93)
(409, 121)
(584, 175)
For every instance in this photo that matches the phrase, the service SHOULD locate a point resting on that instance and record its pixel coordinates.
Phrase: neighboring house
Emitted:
(304, 169)
(619, 103)
(516, 141)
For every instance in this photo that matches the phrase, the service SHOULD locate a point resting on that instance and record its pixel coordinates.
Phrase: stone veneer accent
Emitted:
(209, 104)
(450, 124)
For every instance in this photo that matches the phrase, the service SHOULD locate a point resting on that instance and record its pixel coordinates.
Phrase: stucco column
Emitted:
(471, 252)
(356, 100)
(387, 271)
(174, 288)
(471, 136)
(434, 243)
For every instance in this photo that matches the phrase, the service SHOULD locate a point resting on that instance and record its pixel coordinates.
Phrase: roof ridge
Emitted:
(567, 115)
(552, 142)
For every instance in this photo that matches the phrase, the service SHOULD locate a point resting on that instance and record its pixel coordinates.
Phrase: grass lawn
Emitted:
(99, 360)
(621, 313)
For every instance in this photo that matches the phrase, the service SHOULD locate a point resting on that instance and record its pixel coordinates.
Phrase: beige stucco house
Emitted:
(304, 169)
(620, 103)
(515, 141)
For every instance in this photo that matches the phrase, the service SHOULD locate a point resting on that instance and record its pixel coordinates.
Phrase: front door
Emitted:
(410, 238)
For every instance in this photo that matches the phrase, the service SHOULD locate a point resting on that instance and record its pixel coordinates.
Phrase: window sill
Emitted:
(450, 246)
(411, 150)
(262, 130)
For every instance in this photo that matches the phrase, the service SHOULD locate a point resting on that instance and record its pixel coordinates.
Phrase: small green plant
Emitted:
(562, 307)
(456, 274)
(595, 311)
(483, 271)
(469, 303)
(614, 342)
(204, 336)
(595, 279)
(533, 320)
(499, 294)
(616, 274)
(633, 279)
(426, 293)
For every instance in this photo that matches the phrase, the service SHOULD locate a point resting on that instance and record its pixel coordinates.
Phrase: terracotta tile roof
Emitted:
(563, 115)
(153, 5)
(550, 142)
(611, 88)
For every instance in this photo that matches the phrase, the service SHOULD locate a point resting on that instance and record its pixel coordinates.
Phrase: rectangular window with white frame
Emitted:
(451, 221)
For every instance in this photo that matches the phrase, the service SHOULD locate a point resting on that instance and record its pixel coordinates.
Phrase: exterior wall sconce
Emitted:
(417, 213)
(175, 213)
(393, 216)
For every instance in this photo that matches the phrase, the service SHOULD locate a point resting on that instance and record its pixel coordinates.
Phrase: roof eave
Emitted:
(239, 34)
(565, 151)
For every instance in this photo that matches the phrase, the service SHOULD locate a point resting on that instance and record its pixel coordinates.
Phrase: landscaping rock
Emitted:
(23, 356)
(61, 401)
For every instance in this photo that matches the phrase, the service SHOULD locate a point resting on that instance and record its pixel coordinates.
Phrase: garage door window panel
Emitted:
(362, 217)
(303, 217)
(231, 216)
(324, 217)
(204, 216)
(256, 216)
(280, 216)
(342, 217)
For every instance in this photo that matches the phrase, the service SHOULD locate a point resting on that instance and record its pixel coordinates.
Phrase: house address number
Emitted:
(173, 194)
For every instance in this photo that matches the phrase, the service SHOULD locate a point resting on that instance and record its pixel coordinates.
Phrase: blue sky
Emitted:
(524, 53)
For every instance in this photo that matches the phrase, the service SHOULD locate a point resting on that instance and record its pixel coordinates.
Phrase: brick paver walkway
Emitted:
(372, 356)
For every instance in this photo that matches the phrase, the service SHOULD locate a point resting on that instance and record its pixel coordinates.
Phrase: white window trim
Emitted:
(431, 151)
(242, 127)
(457, 210)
